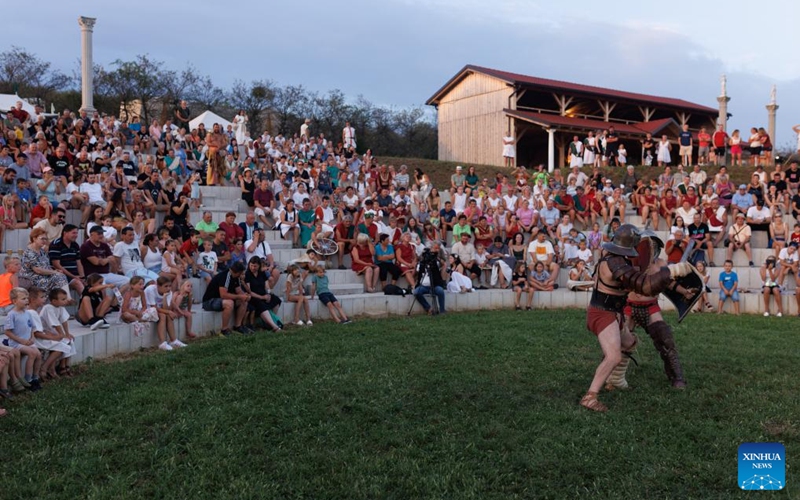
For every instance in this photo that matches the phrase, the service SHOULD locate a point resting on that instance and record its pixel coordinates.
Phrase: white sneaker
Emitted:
(779, 315)
(177, 344)
(97, 324)
(299, 322)
(309, 323)
(766, 314)
(165, 347)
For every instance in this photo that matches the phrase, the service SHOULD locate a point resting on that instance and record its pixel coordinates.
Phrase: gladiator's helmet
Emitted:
(624, 241)
(649, 248)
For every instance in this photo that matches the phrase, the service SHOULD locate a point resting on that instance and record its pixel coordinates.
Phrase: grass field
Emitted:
(479, 405)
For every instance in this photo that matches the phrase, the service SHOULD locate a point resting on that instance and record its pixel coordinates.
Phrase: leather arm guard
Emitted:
(641, 282)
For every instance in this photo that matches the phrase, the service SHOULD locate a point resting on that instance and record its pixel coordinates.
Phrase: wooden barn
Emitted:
(479, 106)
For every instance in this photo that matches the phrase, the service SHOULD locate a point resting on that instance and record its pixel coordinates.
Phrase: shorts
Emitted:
(703, 151)
(598, 319)
(327, 298)
(756, 151)
(685, 151)
(115, 279)
(204, 274)
(734, 296)
(719, 151)
(260, 306)
(147, 274)
(213, 305)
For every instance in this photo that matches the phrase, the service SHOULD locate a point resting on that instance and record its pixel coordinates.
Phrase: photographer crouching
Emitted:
(429, 279)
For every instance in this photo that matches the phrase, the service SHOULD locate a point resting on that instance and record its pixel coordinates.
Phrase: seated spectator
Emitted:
(320, 287)
(520, 285)
(739, 238)
(385, 258)
(769, 285)
(579, 278)
(540, 279)
(759, 216)
(225, 294)
(95, 304)
(742, 201)
(295, 292)
(8, 281)
(363, 257)
(207, 262)
(458, 282)
(158, 295)
(467, 253)
(716, 217)
(36, 268)
(262, 301)
(540, 250)
(55, 336)
(728, 287)
(701, 234)
(778, 233)
(789, 258)
(19, 330)
(127, 257)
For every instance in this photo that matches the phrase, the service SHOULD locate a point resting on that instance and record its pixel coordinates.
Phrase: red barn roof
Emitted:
(548, 120)
(575, 88)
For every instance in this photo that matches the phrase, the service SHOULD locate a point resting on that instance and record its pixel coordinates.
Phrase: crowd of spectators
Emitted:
(314, 191)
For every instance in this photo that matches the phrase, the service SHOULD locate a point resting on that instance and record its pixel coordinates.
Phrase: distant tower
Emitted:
(772, 107)
(723, 100)
(87, 69)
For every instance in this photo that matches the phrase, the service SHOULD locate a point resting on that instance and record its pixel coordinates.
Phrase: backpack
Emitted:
(394, 290)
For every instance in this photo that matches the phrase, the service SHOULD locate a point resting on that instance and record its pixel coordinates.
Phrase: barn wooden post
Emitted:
(551, 150)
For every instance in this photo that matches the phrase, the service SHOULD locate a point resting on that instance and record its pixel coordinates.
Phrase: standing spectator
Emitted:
(348, 136)
(510, 153)
(685, 141)
(703, 146)
(182, 114)
(720, 141)
(664, 147)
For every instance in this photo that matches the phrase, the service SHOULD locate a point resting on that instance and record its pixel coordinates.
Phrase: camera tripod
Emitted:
(433, 300)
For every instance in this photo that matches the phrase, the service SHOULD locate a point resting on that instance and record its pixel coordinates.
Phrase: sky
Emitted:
(399, 52)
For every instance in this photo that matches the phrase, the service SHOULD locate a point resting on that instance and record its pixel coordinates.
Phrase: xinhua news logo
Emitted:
(762, 466)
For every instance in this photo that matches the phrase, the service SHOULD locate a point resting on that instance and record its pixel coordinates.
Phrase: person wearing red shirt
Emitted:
(189, 250)
(704, 143)
(720, 141)
(676, 246)
(232, 230)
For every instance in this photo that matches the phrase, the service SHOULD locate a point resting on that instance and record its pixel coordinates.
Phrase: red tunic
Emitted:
(364, 255)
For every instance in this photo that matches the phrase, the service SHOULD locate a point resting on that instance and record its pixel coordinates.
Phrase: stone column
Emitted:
(551, 150)
(87, 70)
(723, 100)
(772, 107)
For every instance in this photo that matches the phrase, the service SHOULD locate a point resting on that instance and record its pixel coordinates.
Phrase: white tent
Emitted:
(208, 119)
(9, 101)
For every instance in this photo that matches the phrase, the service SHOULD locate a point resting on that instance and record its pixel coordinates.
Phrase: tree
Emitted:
(138, 82)
(207, 95)
(24, 73)
(255, 99)
(290, 103)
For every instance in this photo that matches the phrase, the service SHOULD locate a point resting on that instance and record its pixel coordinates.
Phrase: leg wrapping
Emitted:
(664, 342)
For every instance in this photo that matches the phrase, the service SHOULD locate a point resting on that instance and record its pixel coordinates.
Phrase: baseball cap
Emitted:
(742, 186)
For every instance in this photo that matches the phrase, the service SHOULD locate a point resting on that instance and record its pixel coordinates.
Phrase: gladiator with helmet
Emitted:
(643, 310)
(616, 276)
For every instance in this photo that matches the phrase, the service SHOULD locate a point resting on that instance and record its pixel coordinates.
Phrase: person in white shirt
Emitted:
(348, 136)
(158, 295)
(459, 200)
(759, 216)
(128, 256)
(93, 195)
(686, 211)
(259, 248)
(540, 250)
(789, 259)
(207, 261)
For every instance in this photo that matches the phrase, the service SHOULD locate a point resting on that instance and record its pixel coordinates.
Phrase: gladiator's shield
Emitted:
(693, 282)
